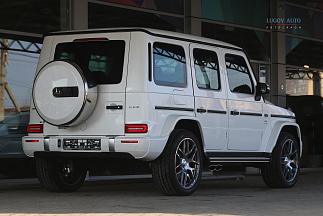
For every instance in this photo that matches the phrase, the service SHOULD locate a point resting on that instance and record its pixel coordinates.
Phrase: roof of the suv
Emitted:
(154, 32)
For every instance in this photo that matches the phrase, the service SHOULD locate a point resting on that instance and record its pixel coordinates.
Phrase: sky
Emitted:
(20, 72)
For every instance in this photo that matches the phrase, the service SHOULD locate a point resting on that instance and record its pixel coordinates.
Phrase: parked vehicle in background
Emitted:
(177, 102)
(13, 161)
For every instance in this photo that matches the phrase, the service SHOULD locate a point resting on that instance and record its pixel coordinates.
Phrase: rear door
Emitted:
(103, 58)
(210, 95)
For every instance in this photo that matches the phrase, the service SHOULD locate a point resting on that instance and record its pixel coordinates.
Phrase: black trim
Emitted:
(142, 30)
(282, 116)
(174, 108)
(250, 114)
(75, 154)
(118, 107)
(217, 111)
(266, 115)
(201, 110)
(149, 63)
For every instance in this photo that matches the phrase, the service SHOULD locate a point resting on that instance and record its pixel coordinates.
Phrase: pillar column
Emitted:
(79, 14)
(278, 53)
(192, 17)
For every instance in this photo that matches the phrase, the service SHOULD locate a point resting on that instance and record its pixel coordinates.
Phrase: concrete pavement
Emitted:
(139, 197)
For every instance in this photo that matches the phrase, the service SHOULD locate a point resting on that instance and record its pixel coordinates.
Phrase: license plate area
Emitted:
(82, 144)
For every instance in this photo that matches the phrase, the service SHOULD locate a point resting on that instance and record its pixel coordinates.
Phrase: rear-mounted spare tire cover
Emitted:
(61, 94)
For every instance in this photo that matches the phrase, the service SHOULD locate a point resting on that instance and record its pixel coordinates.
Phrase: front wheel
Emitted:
(60, 175)
(179, 168)
(283, 170)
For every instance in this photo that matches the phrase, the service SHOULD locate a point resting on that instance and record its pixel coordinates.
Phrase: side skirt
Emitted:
(241, 157)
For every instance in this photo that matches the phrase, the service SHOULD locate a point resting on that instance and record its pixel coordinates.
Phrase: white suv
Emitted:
(176, 101)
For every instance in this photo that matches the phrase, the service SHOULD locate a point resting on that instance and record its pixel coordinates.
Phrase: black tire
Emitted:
(54, 176)
(283, 169)
(178, 170)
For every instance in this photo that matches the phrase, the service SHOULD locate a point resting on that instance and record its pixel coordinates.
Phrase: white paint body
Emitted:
(140, 97)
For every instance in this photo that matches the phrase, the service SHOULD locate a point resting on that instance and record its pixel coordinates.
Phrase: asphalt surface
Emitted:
(138, 196)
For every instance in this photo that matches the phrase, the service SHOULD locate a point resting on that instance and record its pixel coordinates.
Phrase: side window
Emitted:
(238, 74)
(169, 65)
(206, 69)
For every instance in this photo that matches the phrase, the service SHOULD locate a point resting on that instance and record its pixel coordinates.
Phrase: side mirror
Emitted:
(261, 89)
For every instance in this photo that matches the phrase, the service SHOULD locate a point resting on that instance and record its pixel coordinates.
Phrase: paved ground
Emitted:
(139, 197)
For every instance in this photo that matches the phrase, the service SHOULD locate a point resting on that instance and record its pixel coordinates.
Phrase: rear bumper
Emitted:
(56, 154)
(144, 148)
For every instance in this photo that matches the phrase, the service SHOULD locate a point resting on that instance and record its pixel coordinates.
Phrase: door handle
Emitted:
(118, 107)
(201, 110)
(234, 113)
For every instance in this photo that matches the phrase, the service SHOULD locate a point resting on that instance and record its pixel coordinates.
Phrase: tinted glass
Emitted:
(169, 65)
(100, 61)
(256, 43)
(15, 124)
(206, 69)
(238, 74)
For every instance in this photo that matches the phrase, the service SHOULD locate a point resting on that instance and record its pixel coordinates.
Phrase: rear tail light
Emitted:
(136, 128)
(31, 140)
(35, 128)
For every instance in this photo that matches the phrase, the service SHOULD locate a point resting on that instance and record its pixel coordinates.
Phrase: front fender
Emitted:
(277, 128)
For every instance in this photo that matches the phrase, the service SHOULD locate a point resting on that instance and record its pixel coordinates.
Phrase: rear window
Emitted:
(100, 61)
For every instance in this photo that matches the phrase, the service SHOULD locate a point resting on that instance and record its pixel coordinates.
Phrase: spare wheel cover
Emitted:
(60, 93)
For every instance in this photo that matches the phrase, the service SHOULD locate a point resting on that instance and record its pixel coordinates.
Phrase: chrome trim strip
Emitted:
(46, 143)
(111, 145)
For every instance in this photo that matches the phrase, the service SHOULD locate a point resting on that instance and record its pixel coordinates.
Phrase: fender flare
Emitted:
(171, 122)
(277, 128)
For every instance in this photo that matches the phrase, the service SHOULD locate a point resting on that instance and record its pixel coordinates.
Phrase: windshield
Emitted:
(100, 61)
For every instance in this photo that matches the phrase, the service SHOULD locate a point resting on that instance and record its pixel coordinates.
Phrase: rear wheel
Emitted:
(60, 175)
(283, 170)
(178, 170)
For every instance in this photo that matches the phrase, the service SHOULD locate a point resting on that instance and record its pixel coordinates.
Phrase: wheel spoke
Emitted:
(285, 171)
(293, 153)
(192, 153)
(181, 171)
(182, 177)
(179, 150)
(185, 179)
(283, 162)
(184, 147)
(191, 175)
(290, 147)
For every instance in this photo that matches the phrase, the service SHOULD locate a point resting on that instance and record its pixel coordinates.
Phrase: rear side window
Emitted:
(169, 65)
(206, 69)
(101, 61)
(238, 74)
